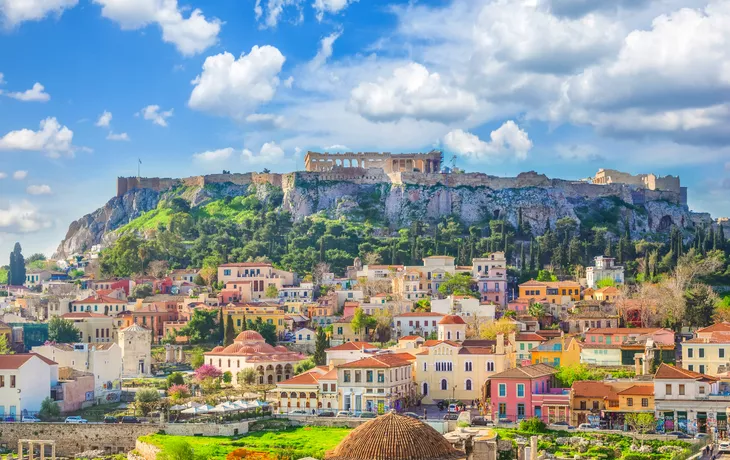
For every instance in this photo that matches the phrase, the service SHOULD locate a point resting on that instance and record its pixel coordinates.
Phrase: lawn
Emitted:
(295, 442)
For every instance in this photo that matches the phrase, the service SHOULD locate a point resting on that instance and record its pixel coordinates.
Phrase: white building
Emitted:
(463, 306)
(104, 360)
(377, 383)
(348, 295)
(604, 269)
(305, 336)
(25, 381)
(303, 292)
(135, 342)
(416, 323)
(348, 352)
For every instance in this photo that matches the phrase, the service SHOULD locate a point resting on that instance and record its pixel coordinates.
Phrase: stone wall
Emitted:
(72, 439)
(206, 429)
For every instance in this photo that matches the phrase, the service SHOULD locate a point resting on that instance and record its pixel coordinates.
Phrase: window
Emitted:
(702, 352)
(668, 389)
(425, 367)
(502, 390)
(629, 402)
(490, 366)
(346, 376)
(333, 387)
(502, 410)
(520, 390)
(681, 389)
(467, 385)
(583, 405)
(444, 384)
(226, 272)
(358, 376)
(520, 411)
(12, 381)
(324, 387)
(339, 331)
(702, 389)
(721, 351)
(522, 345)
(381, 376)
(702, 368)
(369, 376)
(690, 352)
(467, 366)
(595, 405)
(644, 402)
(690, 367)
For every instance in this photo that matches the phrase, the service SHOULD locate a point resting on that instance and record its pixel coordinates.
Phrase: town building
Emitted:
(135, 343)
(342, 332)
(588, 400)
(464, 306)
(709, 352)
(416, 323)
(99, 304)
(604, 268)
(270, 313)
(25, 381)
(249, 350)
(376, 384)
(184, 275)
(490, 274)
(311, 391)
(524, 343)
(349, 351)
(261, 275)
(530, 391)
(557, 292)
(93, 327)
(612, 336)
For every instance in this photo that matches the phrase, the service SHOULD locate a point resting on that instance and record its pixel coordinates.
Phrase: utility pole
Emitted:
(139, 167)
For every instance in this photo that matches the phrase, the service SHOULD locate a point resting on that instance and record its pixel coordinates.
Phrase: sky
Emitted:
(88, 88)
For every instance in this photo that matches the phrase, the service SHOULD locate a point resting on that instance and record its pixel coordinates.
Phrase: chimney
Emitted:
(499, 347)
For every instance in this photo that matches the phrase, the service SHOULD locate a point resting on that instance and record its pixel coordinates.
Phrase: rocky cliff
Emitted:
(397, 205)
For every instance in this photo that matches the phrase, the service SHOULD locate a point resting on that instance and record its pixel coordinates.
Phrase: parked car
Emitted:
(110, 419)
(586, 427)
(702, 436)
(327, 413)
(724, 446)
(344, 414)
(411, 415)
(367, 415)
(130, 419)
(451, 416)
(30, 419)
(75, 419)
(298, 412)
(679, 435)
(10, 418)
(481, 421)
(454, 408)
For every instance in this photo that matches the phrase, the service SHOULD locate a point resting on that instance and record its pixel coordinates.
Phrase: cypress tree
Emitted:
(230, 331)
(519, 221)
(532, 254)
(16, 272)
(221, 325)
(522, 256)
(245, 324)
(721, 238)
(647, 275)
(320, 357)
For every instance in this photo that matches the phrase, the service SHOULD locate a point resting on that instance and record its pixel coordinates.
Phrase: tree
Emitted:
(546, 276)
(5, 345)
(271, 292)
(536, 309)
(358, 320)
(321, 344)
(157, 268)
(16, 269)
(176, 378)
(142, 291)
(319, 271)
(640, 422)
(605, 282)
(221, 325)
(304, 366)
(201, 327)
(178, 450)
(209, 377)
(178, 392)
(246, 378)
(146, 399)
(490, 330)
(230, 334)
(62, 330)
(227, 377)
(49, 409)
(459, 284)
(197, 359)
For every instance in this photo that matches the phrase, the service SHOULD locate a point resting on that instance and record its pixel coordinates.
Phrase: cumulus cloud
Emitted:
(3, 175)
(153, 113)
(104, 119)
(578, 152)
(330, 6)
(507, 141)
(325, 49)
(2, 79)
(51, 138)
(214, 156)
(21, 217)
(20, 175)
(266, 120)
(13, 12)
(112, 136)
(236, 87)
(269, 155)
(578, 8)
(412, 91)
(191, 35)
(39, 190)
(274, 9)
(35, 94)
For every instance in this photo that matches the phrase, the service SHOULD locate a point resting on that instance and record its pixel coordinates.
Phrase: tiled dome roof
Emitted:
(246, 350)
(217, 349)
(281, 348)
(452, 319)
(232, 348)
(249, 336)
(394, 437)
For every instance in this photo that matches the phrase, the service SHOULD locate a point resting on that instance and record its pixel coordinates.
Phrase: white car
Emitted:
(30, 419)
(344, 414)
(586, 427)
(75, 419)
(724, 446)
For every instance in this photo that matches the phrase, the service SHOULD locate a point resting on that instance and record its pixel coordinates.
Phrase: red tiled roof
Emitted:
(246, 264)
(551, 284)
(530, 337)
(433, 343)
(590, 389)
(717, 327)
(526, 372)
(99, 299)
(452, 319)
(715, 337)
(17, 360)
(640, 390)
(352, 346)
(82, 314)
(668, 372)
(417, 313)
(476, 351)
(379, 361)
(307, 378)
(625, 330)
(410, 337)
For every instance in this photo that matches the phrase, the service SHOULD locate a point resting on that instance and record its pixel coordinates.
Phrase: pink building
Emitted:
(526, 392)
(493, 286)
(619, 335)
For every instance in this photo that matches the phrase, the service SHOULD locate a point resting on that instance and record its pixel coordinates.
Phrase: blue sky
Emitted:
(561, 87)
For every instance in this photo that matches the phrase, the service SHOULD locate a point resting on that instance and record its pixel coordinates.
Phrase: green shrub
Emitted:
(533, 425)
(176, 378)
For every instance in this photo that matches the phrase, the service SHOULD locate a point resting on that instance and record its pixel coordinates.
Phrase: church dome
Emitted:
(249, 336)
(281, 348)
(232, 348)
(217, 349)
(246, 350)
(394, 437)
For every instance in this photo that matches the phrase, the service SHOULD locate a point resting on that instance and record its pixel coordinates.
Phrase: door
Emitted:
(538, 412)
(141, 366)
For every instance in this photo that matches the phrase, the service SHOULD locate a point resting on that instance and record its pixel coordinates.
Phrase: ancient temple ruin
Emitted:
(429, 162)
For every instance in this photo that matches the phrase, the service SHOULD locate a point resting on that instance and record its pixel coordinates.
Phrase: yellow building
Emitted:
(269, 313)
(93, 327)
(709, 352)
(637, 398)
(588, 399)
(560, 351)
(525, 343)
(557, 292)
(313, 389)
(342, 332)
(607, 294)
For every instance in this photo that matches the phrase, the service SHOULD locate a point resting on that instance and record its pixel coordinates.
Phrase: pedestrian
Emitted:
(425, 413)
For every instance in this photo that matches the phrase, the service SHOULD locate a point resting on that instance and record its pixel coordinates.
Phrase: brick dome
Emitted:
(249, 336)
(394, 437)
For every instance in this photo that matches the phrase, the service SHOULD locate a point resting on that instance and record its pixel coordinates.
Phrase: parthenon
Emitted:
(388, 162)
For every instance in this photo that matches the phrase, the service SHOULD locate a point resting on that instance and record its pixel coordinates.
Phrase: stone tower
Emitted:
(136, 344)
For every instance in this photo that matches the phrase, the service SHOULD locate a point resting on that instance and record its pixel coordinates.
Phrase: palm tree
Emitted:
(536, 309)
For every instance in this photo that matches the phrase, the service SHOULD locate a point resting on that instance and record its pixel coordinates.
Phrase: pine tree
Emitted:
(320, 357)
(244, 323)
(221, 325)
(609, 249)
(230, 331)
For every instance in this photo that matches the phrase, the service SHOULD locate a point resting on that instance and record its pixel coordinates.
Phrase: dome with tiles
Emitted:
(248, 336)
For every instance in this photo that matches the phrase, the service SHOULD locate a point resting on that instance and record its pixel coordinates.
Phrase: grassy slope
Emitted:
(149, 220)
(305, 442)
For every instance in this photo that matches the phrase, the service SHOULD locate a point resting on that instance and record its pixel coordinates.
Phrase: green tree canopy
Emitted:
(321, 344)
(459, 284)
(62, 331)
(16, 269)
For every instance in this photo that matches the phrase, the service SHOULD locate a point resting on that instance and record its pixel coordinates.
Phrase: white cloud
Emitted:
(236, 87)
(20, 175)
(506, 142)
(104, 119)
(325, 49)
(3, 175)
(330, 6)
(22, 218)
(35, 94)
(39, 190)
(13, 12)
(578, 152)
(412, 91)
(153, 113)
(112, 136)
(337, 148)
(275, 9)
(266, 120)
(213, 156)
(191, 35)
(269, 155)
(2, 79)
(51, 138)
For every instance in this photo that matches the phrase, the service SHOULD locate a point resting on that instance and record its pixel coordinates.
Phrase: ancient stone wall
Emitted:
(72, 439)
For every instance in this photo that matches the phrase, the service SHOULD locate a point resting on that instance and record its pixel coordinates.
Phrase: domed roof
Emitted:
(452, 319)
(246, 350)
(394, 437)
(217, 349)
(281, 348)
(249, 336)
(232, 348)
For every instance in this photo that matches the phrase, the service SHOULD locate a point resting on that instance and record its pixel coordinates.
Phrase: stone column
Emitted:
(43, 451)
(20, 449)
(533, 448)
(521, 450)
(30, 451)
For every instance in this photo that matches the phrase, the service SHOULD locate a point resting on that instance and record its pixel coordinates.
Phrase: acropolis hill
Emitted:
(397, 189)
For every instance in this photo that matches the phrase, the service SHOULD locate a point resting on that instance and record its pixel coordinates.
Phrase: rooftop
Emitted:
(526, 372)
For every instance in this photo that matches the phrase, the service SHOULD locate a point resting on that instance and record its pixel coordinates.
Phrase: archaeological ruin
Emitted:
(387, 162)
